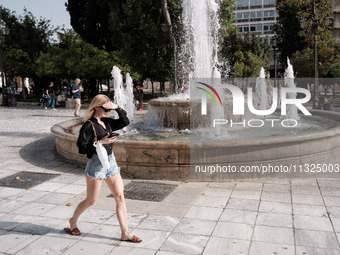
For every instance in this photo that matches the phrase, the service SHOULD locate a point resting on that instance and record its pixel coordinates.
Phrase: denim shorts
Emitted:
(95, 169)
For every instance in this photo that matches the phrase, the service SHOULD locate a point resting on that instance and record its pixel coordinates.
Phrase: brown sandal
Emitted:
(134, 239)
(73, 232)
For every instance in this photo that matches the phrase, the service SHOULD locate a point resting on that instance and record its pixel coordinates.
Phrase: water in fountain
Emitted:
(261, 90)
(123, 94)
(201, 25)
(198, 60)
(292, 112)
(129, 106)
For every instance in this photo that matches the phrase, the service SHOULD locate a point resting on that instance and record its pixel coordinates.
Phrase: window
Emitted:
(242, 15)
(252, 15)
(259, 28)
(259, 14)
(268, 27)
(241, 3)
(253, 28)
(243, 29)
(269, 2)
(255, 2)
(268, 14)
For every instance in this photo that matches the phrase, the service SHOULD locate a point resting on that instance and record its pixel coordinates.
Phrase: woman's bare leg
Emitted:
(92, 194)
(115, 184)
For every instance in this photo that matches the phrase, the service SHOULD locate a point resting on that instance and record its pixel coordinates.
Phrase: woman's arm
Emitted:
(86, 139)
(123, 120)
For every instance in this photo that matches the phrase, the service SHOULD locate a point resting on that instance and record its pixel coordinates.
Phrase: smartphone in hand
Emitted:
(113, 134)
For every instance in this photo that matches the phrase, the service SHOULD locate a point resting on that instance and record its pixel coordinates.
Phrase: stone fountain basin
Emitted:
(172, 160)
(137, 159)
(177, 114)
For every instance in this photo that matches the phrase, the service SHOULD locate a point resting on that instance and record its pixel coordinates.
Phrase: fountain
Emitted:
(123, 94)
(262, 90)
(199, 59)
(292, 112)
(163, 155)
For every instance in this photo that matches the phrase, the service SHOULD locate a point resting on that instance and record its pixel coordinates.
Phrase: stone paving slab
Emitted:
(271, 216)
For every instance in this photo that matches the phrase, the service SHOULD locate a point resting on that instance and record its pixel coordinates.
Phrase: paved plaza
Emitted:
(270, 216)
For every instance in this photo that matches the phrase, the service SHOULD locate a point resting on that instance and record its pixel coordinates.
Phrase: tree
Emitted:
(246, 54)
(287, 28)
(298, 44)
(133, 29)
(72, 57)
(27, 38)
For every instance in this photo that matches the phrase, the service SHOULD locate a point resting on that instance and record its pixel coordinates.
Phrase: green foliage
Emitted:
(49, 64)
(288, 30)
(248, 64)
(72, 57)
(246, 55)
(28, 52)
(226, 17)
(335, 70)
(15, 63)
(22, 46)
(303, 63)
(226, 33)
(131, 28)
(298, 44)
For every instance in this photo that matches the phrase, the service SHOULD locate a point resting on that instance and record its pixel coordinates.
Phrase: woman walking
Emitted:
(96, 123)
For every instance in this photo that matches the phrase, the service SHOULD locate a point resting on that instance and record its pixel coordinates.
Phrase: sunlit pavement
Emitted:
(270, 216)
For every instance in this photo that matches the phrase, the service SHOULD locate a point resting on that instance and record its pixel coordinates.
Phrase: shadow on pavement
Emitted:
(42, 153)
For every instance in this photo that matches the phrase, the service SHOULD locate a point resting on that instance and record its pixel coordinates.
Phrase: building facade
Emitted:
(336, 28)
(257, 16)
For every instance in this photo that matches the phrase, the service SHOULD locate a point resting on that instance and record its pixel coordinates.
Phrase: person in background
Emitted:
(44, 98)
(50, 95)
(11, 91)
(65, 94)
(14, 85)
(139, 96)
(76, 89)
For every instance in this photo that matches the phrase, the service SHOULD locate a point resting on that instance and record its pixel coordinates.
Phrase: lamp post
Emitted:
(315, 22)
(3, 32)
(274, 49)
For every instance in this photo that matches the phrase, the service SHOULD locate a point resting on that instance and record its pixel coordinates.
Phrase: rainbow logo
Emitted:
(209, 93)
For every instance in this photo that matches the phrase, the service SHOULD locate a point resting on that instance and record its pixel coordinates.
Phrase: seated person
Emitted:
(65, 94)
(139, 95)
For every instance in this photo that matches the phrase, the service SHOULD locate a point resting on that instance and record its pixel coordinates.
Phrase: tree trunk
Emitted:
(166, 14)
(173, 41)
(23, 88)
(152, 89)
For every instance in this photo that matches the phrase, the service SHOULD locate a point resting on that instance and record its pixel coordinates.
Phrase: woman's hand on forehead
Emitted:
(110, 105)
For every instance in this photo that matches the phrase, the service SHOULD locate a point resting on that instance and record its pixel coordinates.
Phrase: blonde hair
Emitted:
(98, 100)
